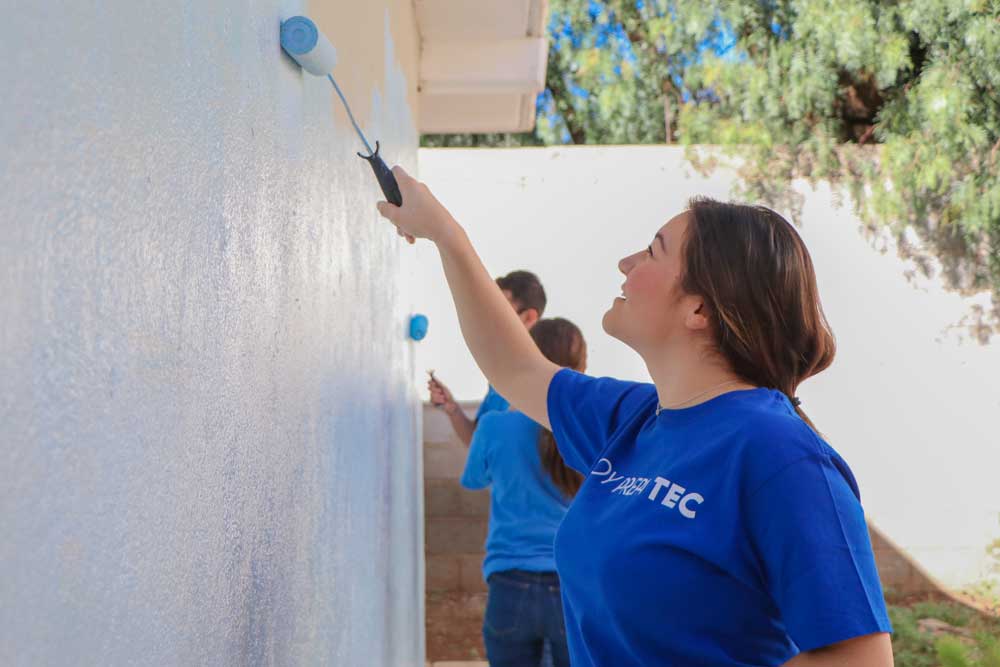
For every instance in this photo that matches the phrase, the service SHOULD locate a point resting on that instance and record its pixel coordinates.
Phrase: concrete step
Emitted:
(455, 573)
(444, 460)
(901, 576)
(447, 498)
(450, 535)
(437, 426)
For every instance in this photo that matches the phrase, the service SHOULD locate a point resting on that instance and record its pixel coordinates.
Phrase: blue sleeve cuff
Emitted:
(560, 384)
(469, 482)
(811, 534)
(476, 474)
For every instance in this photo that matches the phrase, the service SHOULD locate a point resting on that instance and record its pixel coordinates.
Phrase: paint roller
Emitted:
(315, 54)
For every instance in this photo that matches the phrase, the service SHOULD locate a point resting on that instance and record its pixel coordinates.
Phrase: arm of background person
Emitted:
(464, 427)
(441, 398)
(497, 339)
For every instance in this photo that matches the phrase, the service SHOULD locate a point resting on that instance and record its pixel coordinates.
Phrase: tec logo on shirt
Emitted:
(674, 495)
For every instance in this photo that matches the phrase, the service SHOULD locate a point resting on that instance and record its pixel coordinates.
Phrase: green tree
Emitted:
(898, 101)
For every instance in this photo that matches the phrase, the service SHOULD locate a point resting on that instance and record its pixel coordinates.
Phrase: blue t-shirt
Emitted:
(525, 505)
(493, 402)
(726, 534)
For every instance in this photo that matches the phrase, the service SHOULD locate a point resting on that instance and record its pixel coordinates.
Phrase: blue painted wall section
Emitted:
(209, 423)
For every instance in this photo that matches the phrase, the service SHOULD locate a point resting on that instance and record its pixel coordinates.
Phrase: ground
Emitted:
(454, 627)
(943, 634)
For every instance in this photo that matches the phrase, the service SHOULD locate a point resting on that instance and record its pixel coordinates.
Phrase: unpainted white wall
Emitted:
(913, 409)
(209, 427)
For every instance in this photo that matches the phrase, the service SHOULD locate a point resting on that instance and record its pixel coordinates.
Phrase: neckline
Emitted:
(674, 414)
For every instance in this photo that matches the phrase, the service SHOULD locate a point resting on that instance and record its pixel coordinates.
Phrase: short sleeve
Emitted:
(492, 402)
(477, 469)
(808, 527)
(585, 412)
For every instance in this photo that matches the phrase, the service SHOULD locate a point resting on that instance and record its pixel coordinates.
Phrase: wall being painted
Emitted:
(911, 408)
(209, 425)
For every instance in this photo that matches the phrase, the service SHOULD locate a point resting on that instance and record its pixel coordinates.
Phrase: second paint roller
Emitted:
(313, 52)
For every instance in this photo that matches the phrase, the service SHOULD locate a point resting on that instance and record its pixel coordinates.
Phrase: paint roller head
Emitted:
(302, 40)
(307, 46)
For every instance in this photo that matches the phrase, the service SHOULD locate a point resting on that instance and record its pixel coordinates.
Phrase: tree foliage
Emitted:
(896, 100)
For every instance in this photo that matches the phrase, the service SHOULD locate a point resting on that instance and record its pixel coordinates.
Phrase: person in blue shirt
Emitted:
(525, 294)
(715, 527)
(531, 488)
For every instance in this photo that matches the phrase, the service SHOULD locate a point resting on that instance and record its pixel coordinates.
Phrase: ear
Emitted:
(528, 317)
(697, 317)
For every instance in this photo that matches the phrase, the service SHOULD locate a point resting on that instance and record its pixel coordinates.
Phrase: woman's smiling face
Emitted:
(653, 308)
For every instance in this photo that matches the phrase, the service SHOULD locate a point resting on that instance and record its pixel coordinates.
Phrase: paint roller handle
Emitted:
(386, 181)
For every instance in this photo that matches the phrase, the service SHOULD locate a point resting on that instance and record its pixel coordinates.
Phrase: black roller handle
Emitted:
(386, 181)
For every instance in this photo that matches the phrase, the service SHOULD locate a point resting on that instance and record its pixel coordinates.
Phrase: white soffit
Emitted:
(482, 64)
(452, 114)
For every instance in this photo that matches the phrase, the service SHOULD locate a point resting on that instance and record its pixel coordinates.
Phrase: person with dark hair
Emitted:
(715, 526)
(524, 291)
(531, 488)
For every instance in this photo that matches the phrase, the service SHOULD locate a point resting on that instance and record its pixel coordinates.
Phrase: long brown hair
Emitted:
(756, 276)
(562, 343)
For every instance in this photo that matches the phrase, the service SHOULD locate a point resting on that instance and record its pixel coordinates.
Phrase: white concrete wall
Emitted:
(209, 426)
(914, 411)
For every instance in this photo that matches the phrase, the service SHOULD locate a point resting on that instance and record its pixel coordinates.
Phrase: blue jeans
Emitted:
(523, 614)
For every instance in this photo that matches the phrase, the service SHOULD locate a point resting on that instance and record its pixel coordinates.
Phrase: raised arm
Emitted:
(498, 341)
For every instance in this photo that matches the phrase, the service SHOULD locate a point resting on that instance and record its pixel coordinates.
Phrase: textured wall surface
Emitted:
(209, 426)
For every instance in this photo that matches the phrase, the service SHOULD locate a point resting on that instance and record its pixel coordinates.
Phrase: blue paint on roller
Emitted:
(302, 40)
(298, 35)
(418, 327)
